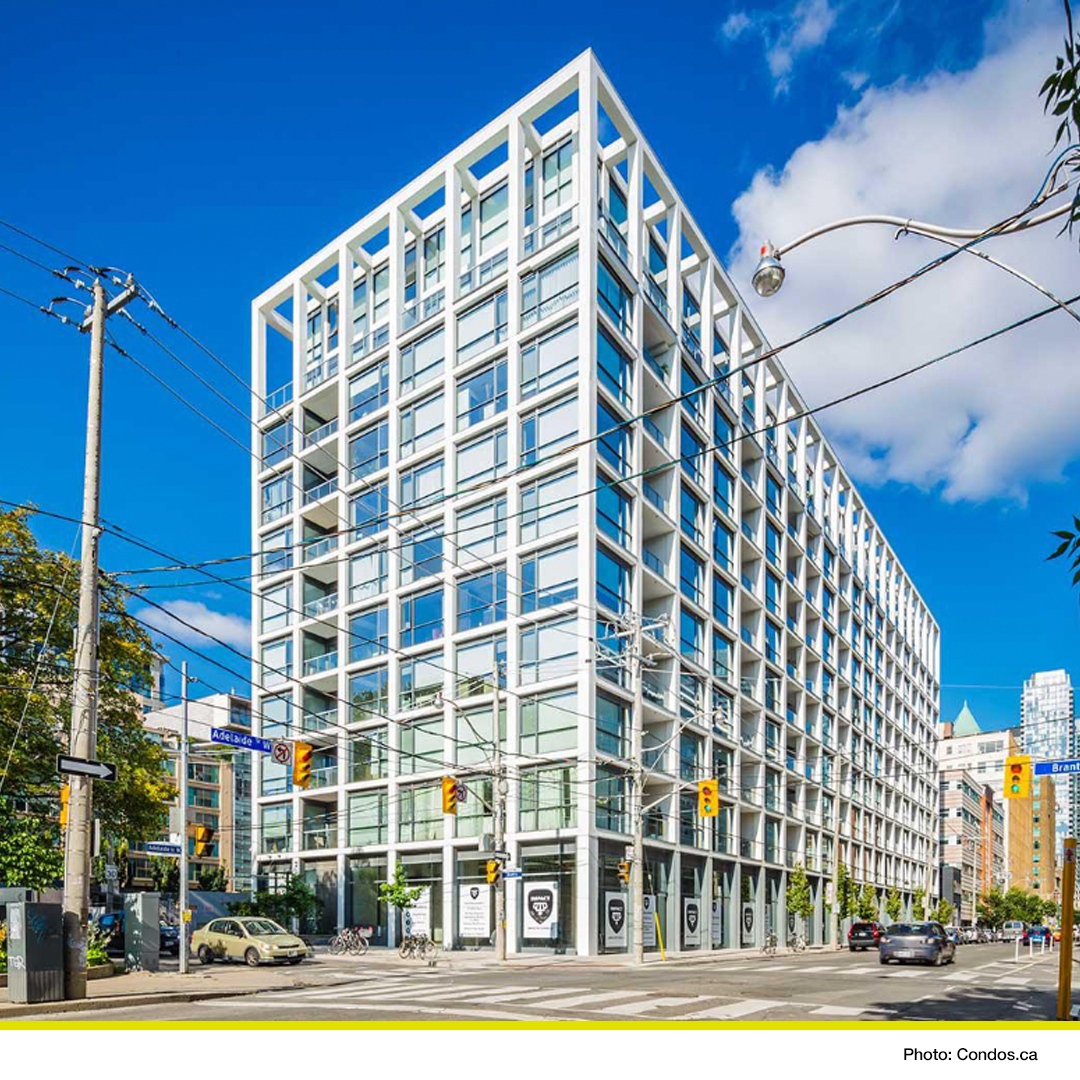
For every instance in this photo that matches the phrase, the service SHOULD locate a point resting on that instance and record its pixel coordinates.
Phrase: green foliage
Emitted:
(31, 853)
(893, 905)
(1050, 909)
(3, 947)
(396, 891)
(991, 909)
(846, 894)
(1061, 98)
(868, 902)
(96, 940)
(33, 583)
(213, 879)
(918, 904)
(943, 913)
(799, 899)
(164, 874)
(296, 900)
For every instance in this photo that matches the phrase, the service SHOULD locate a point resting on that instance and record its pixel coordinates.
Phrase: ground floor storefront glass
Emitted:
(614, 915)
(657, 889)
(691, 879)
(362, 904)
(474, 903)
(720, 907)
(546, 894)
(774, 894)
(423, 871)
(749, 920)
(322, 878)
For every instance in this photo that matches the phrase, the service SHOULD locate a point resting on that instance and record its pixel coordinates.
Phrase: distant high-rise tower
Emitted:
(1049, 731)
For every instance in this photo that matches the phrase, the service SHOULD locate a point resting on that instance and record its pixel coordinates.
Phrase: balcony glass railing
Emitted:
(654, 430)
(422, 309)
(318, 837)
(655, 366)
(319, 491)
(315, 665)
(549, 306)
(324, 431)
(654, 497)
(653, 563)
(548, 232)
(277, 398)
(322, 605)
(316, 549)
(324, 777)
(320, 721)
(487, 271)
(320, 372)
(692, 345)
(658, 297)
(611, 234)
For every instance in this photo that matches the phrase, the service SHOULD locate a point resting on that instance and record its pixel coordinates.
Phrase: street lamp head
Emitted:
(769, 275)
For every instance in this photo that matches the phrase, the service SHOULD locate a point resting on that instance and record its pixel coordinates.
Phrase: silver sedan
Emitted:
(922, 942)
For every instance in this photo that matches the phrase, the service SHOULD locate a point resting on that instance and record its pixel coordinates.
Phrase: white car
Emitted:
(1012, 930)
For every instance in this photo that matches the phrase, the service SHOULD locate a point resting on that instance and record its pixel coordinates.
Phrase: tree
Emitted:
(918, 904)
(868, 902)
(1023, 906)
(893, 905)
(1061, 94)
(943, 913)
(165, 874)
(800, 901)
(213, 879)
(846, 895)
(1050, 909)
(991, 909)
(38, 616)
(31, 854)
(296, 900)
(396, 891)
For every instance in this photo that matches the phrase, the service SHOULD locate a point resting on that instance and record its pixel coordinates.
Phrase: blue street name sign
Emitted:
(238, 738)
(1057, 768)
(511, 873)
(162, 849)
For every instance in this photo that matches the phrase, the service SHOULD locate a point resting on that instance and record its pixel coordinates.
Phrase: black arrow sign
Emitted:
(77, 766)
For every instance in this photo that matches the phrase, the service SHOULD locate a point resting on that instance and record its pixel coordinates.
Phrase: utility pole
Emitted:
(183, 817)
(83, 740)
(637, 804)
(1065, 955)
(499, 816)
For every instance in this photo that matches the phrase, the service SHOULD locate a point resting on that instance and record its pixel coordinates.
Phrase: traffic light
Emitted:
(624, 873)
(449, 795)
(494, 871)
(301, 769)
(204, 838)
(708, 798)
(1018, 777)
(65, 800)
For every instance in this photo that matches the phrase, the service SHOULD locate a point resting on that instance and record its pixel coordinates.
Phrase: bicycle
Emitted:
(768, 946)
(797, 943)
(350, 939)
(418, 947)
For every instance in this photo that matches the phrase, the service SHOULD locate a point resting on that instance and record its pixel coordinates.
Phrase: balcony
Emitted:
(487, 271)
(316, 549)
(318, 373)
(654, 563)
(610, 232)
(692, 345)
(316, 665)
(422, 309)
(548, 232)
(320, 491)
(313, 438)
(658, 298)
(324, 777)
(320, 721)
(322, 605)
(318, 837)
(549, 306)
(277, 398)
(653, 496)
(654, 430)
(655, 366)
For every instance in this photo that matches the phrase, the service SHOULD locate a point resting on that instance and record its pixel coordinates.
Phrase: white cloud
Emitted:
(232, 629)
(805, 29)
(855, 79)
(960, 149)
(735, 25)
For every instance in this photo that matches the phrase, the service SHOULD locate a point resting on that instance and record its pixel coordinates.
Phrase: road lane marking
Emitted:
(368, 1006)
(635, 1008)
(817, 970)
(900, 974)
(1006, 981)
(960, 976)
(837, 1010)
(585, 1000)
(862, 970)
(494, 996)
(735, 1009)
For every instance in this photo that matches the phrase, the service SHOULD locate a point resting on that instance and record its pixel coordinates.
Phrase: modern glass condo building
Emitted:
(527, 473)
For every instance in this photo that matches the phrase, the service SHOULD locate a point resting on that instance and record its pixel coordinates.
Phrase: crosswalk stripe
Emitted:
(769, 967)
(1007, 981)
(585, 1000)
(635, 1008)
(960, 976)
(826, 967)
(494, 996)
(734, 1010)
(420, 992)
(862, 970)
(901, 974)
(837, 1010)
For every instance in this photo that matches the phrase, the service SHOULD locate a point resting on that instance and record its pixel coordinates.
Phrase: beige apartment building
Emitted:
(972, 837)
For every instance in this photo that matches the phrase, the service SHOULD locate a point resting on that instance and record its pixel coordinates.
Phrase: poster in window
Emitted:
(691, 910)
(474, 911)
(614, 920)
(417, 919)
(716, 923)
(648, 922)
(748, 924)
(541, 900)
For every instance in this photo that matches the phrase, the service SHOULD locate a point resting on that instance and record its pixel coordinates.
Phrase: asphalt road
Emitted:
(983, 984)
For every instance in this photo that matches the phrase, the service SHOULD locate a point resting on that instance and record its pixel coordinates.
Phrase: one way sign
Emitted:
(77, 766)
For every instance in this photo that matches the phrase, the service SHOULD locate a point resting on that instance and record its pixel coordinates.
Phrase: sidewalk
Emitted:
(202, 984)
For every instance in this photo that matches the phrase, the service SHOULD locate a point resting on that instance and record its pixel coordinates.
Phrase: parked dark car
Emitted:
(1036, 935)
(864, 935)
(170, 939)
(113, 925)
(919, 942)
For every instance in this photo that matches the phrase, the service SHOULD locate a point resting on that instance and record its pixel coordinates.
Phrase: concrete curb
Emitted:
(48, 1008)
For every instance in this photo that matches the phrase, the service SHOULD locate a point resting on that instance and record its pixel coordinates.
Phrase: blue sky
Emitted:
(231, 142)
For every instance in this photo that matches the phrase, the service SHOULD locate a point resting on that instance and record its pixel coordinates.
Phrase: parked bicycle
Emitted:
(418, 947)
(350, 939)
(797, 943)
(768, 946)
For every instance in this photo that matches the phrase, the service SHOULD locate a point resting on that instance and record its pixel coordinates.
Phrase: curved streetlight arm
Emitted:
(995, 262)
(927, 228)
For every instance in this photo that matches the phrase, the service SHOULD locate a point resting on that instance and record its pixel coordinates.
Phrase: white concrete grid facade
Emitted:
(1049, 732)
(446, 365)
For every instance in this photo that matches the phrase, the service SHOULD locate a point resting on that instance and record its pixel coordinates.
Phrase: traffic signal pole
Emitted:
(499, 823)
(1065, 954)
(183, 817)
